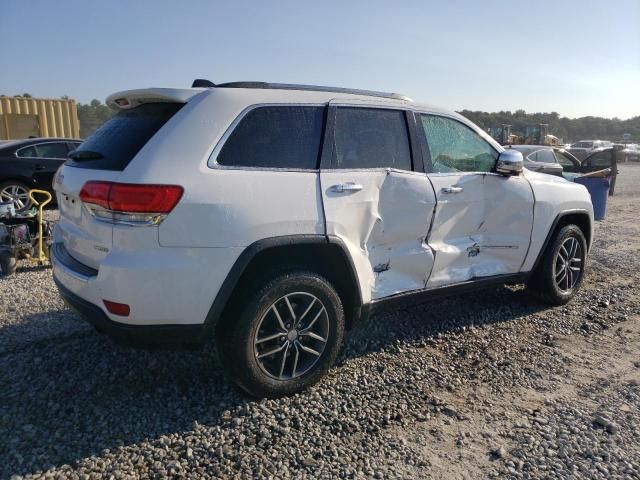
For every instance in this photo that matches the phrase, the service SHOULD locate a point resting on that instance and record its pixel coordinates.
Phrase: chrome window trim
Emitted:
(212, 161)
(41, 143)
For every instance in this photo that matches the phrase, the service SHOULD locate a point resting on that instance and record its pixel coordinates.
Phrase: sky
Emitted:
(574, 57)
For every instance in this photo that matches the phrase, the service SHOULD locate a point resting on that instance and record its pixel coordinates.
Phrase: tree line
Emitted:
(569, 129)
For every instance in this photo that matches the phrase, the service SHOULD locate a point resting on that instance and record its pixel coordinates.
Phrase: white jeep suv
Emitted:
(267, 218)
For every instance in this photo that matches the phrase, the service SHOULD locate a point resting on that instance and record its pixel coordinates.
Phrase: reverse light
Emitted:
(130, 203)
(121, 309)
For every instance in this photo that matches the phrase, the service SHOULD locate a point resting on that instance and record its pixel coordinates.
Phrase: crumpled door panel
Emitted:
(483, 230)
(384, 226)
(458, 217)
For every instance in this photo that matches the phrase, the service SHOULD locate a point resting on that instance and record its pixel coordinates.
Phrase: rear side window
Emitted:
(120, 138)
(27, 152)
(371, 138)
(545, 156)
(275, 137)
(53, 150)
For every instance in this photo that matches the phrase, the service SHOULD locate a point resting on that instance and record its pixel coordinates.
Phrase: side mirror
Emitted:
(510, 162)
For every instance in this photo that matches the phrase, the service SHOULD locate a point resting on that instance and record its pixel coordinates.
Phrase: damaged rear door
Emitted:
(373, 199)
(483, 221)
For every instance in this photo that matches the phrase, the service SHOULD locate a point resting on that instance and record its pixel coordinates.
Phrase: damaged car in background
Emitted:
(560, 161)
(269, 218)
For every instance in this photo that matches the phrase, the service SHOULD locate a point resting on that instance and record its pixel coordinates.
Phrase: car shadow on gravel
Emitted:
(75, 396)
(420, 323)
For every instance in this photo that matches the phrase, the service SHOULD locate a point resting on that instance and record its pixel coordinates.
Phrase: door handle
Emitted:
(346, 187)
(40, 167)
(453, 189)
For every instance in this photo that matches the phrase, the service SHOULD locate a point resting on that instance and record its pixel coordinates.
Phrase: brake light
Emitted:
(130, 202)
(96, 193)
(131, 197)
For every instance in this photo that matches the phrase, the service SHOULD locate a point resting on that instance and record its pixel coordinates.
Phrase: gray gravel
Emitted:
(496, 385)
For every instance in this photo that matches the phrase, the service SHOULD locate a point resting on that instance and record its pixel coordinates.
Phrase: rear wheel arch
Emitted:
(16, 177)
(324, 255)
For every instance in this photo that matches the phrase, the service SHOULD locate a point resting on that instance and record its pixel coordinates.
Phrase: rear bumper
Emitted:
(146, 334)
(162, 286)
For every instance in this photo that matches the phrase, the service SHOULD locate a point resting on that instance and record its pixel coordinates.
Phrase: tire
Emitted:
(16, 191)
(554, 281)
(8, 263)
(264, 323)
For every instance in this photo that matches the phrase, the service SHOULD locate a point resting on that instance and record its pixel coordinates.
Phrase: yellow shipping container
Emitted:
(22, 117)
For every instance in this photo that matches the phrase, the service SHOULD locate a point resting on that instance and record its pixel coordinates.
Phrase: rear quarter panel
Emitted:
(222, 207)
(12, 168)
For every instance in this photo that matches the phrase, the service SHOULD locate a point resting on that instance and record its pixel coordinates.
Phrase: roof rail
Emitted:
(314, 88)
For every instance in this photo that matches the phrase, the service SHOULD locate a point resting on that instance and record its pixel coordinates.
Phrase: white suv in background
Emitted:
(267, 218)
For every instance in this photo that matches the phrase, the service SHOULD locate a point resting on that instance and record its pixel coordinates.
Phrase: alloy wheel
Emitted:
(291, 336)
(17, 194)
(568, 264)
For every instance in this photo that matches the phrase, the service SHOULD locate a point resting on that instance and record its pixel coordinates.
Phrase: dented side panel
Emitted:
(482, 228)
(458, 217)
(384, 225)
(503, 239)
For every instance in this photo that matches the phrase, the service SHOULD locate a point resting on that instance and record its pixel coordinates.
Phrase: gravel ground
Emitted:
(495, 386)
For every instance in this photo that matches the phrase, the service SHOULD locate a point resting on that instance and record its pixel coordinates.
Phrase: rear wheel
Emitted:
(17, 193)
(561, 270)
(285, 336)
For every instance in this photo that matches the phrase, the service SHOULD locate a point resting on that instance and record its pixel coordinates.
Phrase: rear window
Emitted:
(275, 137)
(120, 138)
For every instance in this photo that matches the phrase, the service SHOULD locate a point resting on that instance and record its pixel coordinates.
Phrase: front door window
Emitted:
(454, 147)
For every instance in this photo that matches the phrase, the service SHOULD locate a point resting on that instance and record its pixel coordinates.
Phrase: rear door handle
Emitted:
(346, 187)
(453, 189)
(40, 167)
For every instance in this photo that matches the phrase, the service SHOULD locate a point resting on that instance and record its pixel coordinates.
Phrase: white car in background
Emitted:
(584, 148)
(267, 218)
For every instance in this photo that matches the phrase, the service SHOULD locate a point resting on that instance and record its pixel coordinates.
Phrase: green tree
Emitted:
(91, 116)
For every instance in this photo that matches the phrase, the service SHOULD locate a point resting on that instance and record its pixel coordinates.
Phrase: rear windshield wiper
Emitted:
(85, 155)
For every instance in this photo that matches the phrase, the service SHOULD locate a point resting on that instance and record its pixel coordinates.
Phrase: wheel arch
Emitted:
(17, 178)
(325, 255)
(580, 218)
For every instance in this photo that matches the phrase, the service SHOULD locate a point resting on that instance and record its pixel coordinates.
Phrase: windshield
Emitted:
(582, 145)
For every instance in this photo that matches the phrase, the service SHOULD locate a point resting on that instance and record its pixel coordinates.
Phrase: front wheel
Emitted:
(561, 271)
(285, 337)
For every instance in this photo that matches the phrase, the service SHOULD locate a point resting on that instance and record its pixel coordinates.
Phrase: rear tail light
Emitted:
(130, 203)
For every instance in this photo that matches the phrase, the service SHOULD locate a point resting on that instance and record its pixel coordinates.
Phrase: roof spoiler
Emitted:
(202, 83)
